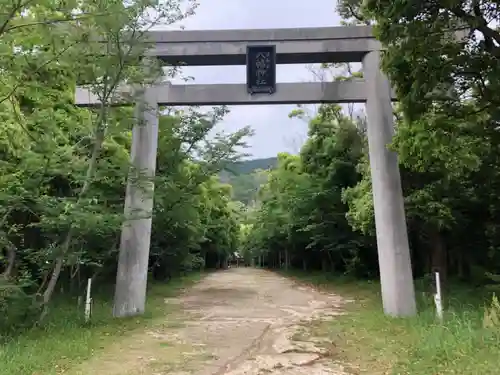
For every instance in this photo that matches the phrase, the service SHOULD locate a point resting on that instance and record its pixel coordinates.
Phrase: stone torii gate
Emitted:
(292, 46)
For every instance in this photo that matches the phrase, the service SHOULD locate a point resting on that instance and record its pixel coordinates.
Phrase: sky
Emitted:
(274, 131)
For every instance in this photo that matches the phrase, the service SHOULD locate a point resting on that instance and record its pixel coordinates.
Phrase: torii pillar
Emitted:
(396, 279)
(132, 273)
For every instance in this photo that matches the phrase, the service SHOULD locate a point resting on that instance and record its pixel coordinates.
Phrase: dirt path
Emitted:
(237, 322)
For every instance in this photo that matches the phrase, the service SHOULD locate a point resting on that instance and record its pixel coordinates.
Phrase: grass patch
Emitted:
(65, 340)
(376, 344)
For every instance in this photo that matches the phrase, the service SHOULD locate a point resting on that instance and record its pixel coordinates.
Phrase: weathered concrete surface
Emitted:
(287, 52)
(132, 274)
(293, 45)
(246, 319)
(259, 35)
(396, 278)
(236, 94)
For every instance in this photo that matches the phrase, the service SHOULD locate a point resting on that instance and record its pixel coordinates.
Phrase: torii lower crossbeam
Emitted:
(167, 94)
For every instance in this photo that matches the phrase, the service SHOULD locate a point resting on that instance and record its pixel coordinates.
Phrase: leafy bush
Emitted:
(18, 309)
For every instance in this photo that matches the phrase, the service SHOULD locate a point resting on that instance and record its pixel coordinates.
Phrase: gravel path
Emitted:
(241, 321)
(253, 322)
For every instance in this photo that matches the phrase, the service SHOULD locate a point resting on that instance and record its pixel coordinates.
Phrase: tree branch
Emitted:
(479, 23)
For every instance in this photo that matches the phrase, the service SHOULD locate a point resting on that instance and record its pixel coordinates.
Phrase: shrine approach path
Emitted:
(241, 321)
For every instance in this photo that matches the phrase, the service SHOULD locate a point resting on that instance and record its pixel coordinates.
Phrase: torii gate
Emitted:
(293, 46)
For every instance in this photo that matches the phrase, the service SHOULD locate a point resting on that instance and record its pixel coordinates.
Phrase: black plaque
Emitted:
(261, 69)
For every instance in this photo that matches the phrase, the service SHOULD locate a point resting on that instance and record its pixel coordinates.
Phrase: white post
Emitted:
(398, 294)
(88, 301)
(438, 297)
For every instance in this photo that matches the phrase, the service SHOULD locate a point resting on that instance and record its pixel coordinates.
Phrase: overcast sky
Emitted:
(274, 131)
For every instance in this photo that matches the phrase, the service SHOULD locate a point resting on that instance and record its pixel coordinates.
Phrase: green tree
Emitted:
(63, 169)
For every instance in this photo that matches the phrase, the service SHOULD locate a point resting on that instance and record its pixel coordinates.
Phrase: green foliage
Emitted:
(372, 342)
(301, 217)
(65, 340)
(63, 169)
(316, 210)
(252, 165)
(440, 52)
(492, 314)
(17, 308)
(246, 176)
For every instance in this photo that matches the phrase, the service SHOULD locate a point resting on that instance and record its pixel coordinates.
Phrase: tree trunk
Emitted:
(11, 260)
(331, 262)
(324, 264)
(439, 256)
(204, 260)
(428, 263)
(460, 265)
(287, 260)
(99, 139)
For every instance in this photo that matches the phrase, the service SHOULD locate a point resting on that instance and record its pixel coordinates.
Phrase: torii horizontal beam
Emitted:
(338, 44)
(259, 35)
(168, 94)
(293, 45)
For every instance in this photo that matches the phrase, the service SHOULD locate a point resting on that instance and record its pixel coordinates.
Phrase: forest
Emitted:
(316, 209)
(63, 168)
(246, 177)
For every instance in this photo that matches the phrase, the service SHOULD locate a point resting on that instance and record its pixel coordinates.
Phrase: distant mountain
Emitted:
(249, 166)
(242, 177)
